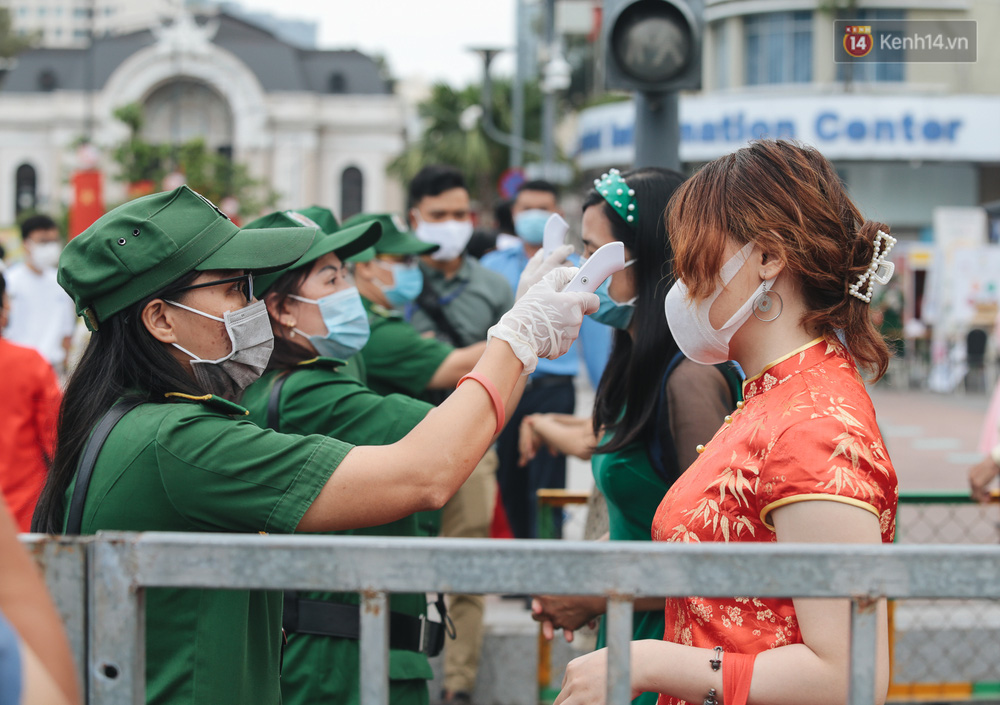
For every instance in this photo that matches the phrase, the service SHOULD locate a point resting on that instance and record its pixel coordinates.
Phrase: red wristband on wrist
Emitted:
(491, 389)
(737, 672)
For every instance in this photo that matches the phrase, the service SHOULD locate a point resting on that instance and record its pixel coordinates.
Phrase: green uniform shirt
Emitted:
(321, 397)
(634, 491)
(189, 465)
(472, 301)
(355, 367)
(398, 359)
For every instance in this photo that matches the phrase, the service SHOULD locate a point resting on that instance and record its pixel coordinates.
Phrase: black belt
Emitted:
(321, 618)
(548, 381)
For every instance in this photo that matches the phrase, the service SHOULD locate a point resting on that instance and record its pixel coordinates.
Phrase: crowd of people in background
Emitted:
(410, 375)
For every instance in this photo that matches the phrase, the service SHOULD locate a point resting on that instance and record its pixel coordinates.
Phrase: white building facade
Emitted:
(905, 137)
(71, 23)
(318, 126)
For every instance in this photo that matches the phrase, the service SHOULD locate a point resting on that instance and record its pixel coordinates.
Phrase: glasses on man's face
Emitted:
(386, 261)
(244, 283)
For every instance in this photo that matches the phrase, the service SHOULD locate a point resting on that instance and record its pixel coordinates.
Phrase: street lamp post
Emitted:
(514, 142)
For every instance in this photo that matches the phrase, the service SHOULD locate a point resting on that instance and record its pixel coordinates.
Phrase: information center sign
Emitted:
(848, 127)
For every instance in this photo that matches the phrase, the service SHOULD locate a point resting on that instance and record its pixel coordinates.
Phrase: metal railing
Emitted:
(98, 584)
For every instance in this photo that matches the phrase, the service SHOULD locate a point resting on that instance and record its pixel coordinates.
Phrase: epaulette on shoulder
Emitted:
(211, 401)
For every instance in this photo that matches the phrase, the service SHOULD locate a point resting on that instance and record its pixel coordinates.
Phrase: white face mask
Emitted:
(451, 237)
(689, 320)
(252, 340)
(45, 255)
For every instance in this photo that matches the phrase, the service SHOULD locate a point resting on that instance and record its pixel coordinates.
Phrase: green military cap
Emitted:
(366, 255)
(144, 245)
(323, 217)
(396, 237)
(350, 238)
(344, 241)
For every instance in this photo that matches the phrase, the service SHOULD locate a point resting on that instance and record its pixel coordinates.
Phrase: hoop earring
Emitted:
(766, 301)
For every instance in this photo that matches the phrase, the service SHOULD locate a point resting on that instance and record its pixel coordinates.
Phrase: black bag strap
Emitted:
(660, 444)
(734, 377)
(430, 303)
(88, 459)
(274, 400)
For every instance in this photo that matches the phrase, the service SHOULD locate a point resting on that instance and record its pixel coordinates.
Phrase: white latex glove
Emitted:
(546, 320)
(538, 266)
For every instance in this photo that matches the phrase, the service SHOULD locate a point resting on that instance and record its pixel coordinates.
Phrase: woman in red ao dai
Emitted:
(774, 265)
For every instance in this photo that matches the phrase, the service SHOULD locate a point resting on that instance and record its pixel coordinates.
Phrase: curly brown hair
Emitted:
(788, 200)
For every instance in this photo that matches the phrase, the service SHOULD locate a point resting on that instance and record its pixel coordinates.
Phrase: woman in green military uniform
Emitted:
(645, 434)
(165, 283)
(306, 391)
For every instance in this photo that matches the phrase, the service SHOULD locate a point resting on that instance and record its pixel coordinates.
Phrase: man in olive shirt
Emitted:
(458, 302)
(469, 297)
(397, 358)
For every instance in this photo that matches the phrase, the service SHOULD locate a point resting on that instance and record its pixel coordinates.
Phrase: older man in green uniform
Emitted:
(397, 358)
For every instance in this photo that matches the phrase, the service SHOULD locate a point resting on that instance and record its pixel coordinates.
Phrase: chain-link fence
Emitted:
(945, 650)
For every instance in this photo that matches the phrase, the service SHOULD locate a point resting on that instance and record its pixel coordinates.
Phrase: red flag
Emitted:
(595, 27)
(88, 201)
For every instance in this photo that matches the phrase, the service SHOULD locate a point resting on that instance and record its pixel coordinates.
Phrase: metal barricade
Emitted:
(551, 500)
(119, 567)
(945, 649)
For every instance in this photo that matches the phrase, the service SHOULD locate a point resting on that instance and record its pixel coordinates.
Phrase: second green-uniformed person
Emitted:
(317, 318)
(165, 283)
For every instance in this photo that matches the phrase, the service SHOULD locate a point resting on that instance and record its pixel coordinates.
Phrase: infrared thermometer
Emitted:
(555, 234)
(599, 266)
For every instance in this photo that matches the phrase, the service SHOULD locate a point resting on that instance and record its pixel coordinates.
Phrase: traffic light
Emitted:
(653, 46)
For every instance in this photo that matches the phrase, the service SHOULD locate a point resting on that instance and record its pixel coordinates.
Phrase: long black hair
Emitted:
(627, 394)
(122, 360)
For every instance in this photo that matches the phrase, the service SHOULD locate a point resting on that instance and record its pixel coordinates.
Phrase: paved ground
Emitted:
(932, 438)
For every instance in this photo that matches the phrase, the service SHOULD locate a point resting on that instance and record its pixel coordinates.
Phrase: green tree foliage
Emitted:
(138, 159)
(213, 175)
(11, 42)
(444, 141)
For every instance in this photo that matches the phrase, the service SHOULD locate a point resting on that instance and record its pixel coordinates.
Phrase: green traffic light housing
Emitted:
(653, 46)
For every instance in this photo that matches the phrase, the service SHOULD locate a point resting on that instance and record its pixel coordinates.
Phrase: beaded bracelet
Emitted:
(498, 406)
(716, 664)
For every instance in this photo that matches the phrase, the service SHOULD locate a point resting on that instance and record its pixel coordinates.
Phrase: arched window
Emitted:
(183, 109)
(47, 80)
(337, 83)
(25, 189)
(351, 192)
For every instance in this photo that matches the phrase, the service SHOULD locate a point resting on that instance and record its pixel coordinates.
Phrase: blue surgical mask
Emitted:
(408, 282)
(530, 225)
(611, 312)
(346, 322)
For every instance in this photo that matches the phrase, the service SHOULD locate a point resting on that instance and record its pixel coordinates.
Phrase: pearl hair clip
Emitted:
(879, 271)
